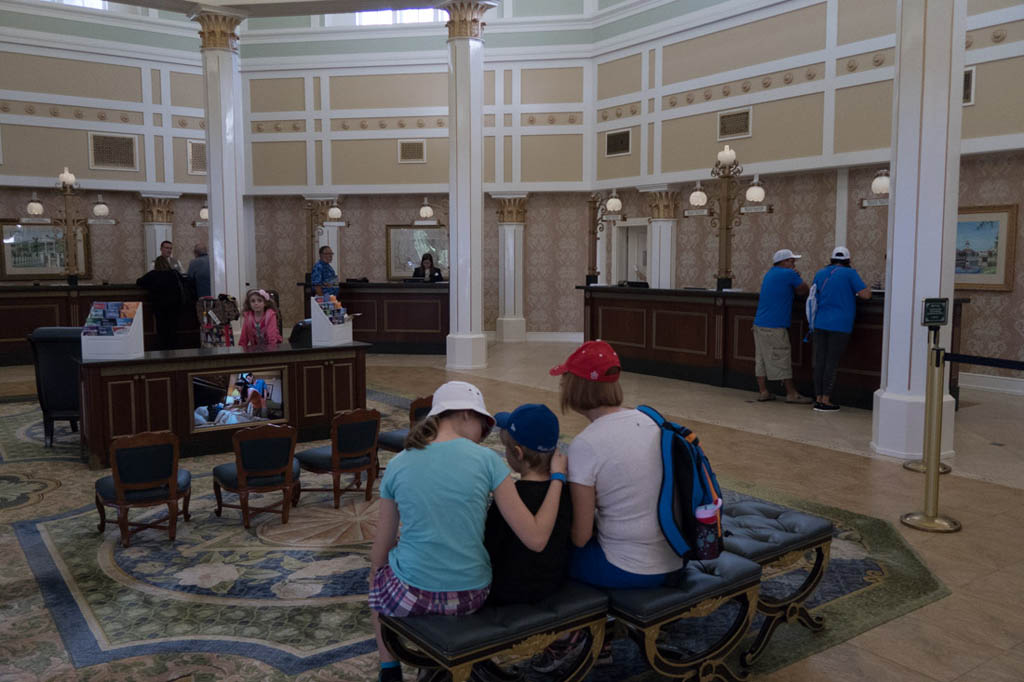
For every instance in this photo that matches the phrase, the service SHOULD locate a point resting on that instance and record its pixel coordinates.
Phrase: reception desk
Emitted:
(159, 393)
(23, 307)
(705, 336)
(399, 318)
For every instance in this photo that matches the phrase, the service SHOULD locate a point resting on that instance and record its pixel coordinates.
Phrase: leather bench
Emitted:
(778, 539)
(704, 587)
(446, 645)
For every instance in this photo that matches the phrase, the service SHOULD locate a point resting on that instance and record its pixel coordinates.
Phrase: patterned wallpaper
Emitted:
(555, 242)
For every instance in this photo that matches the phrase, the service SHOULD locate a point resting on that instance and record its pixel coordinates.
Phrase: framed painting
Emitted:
(985, 242)
(36, 251)
(407, 245)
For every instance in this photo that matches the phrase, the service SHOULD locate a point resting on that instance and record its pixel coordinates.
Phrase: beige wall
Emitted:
(277, 94)
(42, 152)
(279, 163)
(488, 87)
(998, 100)
(155, 88)
(187, 90)
(781, 36)
(863, 117)
(489, 158)
(979, 6)
(32, 73)
(625, 166)
(863, 19)
(373, 162)
(180, 147)
(619, 77)
(546, 86)
(507, 146)
(552, 158)
(395, 90)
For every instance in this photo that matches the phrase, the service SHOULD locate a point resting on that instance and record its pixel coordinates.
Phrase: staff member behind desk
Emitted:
(324, 279)
(426, 271)
(773, 357)
(837, 288)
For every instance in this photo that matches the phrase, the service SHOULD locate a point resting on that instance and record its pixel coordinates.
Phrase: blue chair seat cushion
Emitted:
(392, 441)
(763, 532)
(105, 489)
(320, 459)
(227, 476)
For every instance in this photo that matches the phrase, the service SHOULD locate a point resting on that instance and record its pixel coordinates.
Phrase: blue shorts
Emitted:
(588, 564)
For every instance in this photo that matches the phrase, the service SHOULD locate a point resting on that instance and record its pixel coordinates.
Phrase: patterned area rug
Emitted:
(289, 601)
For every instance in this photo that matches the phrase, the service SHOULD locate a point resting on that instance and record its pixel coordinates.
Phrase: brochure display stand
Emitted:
(113, 331)
(334, 330)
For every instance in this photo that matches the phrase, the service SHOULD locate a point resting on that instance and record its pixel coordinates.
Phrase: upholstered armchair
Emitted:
(57, 354)
(264, 462)
(353, 450)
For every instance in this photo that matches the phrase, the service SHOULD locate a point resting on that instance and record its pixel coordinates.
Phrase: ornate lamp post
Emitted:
(600, 211)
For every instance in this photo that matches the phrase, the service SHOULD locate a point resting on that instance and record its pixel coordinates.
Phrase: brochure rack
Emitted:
(325, 333)
(124, 346)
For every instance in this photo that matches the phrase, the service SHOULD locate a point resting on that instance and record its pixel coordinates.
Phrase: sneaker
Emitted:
(559, 653)
(824, 407)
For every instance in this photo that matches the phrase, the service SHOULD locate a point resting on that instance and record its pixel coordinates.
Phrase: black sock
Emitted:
(391, 674)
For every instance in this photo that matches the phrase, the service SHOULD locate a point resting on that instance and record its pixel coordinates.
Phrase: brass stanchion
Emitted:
(930, 520)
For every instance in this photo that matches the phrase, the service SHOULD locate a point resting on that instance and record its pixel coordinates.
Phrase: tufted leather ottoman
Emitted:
(704, 587)
(778, 539)
(452, 644)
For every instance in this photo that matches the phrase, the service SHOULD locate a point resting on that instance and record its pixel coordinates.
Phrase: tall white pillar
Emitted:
(225, 154)
(661, 238)
(922, 215)
(157, 213)
(467, 346)
(511, 323)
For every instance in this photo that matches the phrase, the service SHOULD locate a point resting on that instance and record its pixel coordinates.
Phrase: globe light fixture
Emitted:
(426, 211)
(204, 213)
(880, 185)
(34, 207)
(755, 192)
(334, 212)
(698, 197)
(67, 178)
(727, 156)
(100, 208)
(614, 203)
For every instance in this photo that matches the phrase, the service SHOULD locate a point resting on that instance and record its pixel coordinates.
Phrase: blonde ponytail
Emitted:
(422, 433)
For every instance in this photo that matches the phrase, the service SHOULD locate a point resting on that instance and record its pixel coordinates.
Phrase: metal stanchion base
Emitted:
(931, 524)
(919, 466)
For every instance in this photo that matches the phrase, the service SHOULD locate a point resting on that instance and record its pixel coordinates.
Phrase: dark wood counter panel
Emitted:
(705, 336)
(154, 393)
(25, 307)
(399, 318)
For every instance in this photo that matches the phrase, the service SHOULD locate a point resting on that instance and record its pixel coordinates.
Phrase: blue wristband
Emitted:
(558, 476)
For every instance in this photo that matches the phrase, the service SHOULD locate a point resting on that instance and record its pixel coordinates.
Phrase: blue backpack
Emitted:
(687, 482)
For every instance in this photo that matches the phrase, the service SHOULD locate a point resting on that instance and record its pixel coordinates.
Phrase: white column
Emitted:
(467, 346)
(225, 154)
(511, 323)
(661, 238)
(922, 215)
(842, 204)
(157, 212)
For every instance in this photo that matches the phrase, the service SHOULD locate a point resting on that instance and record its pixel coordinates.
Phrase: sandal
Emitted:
(765, 398)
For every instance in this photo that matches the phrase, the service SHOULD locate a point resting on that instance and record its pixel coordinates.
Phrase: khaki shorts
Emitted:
(773, 358)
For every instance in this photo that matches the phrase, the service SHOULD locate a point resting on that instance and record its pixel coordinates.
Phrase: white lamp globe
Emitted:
(880, 185)
(426, 212)
(67, 177)
(726, 156)
(204, 213)
(34, 207)
(755, 194)
(334, 212)
(614, 204)
(698, 197)
(100, 208)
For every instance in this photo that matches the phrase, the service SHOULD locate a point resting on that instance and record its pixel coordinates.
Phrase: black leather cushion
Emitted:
(320, 458)
(761, 532)
(105, 488)
(358, 437)
(58, 353)
(148, 463)
(453, 636)
(265, 454)
(700, 580)
(227, 476)
(393, 441)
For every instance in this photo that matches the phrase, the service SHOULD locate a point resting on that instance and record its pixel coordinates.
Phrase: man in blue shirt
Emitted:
(837, 288)
(324, 279)
(773, 358)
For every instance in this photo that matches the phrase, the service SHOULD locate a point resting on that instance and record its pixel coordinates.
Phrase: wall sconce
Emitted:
(204, 218)
(34, 207)
(698, 197)
(426, 213)
(334, 211)
(879, 187)
(614, 203)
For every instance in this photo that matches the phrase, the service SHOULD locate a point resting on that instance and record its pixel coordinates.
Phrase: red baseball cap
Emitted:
(591, 361)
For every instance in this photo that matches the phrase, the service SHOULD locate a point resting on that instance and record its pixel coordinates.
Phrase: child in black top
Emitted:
(522, 576)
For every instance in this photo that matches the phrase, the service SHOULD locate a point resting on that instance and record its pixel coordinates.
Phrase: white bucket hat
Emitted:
(460, 395)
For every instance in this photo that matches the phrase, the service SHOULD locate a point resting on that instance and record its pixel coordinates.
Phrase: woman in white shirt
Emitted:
(614, 478)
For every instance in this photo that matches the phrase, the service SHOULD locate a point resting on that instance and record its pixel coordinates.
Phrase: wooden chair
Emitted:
(264, 462)
(394, 440)
(144, 473)
(353, 450)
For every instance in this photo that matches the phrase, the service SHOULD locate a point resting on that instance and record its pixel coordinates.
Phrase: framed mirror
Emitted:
(36, 251)
(238, 397)
(406, 245)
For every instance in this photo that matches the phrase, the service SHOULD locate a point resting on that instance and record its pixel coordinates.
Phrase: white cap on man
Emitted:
(783, 254)
(841, 253)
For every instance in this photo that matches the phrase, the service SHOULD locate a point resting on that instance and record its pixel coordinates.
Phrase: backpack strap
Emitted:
(652, 413)
(665, 490)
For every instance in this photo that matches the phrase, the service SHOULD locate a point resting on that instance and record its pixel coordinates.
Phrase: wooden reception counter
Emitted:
(397, 317)
(162, 391)
(702, 335)
(23, 307)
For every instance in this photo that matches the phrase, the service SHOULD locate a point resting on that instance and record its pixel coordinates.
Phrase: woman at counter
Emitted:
(426, 271)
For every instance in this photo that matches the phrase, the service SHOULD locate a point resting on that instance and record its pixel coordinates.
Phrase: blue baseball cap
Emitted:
(531, 425)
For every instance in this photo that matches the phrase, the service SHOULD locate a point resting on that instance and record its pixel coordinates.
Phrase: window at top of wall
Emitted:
(91, 4)
(387, 17)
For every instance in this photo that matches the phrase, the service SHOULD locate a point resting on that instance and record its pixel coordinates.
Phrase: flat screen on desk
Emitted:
(237, 398)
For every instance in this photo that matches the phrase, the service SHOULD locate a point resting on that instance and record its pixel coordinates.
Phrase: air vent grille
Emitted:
(617, 143)
(734, 124)
(412, 151)
(196, 157)
(969, 86)
(112, 152)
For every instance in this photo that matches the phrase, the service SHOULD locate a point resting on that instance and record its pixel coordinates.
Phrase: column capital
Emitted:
(663, 204)
(318, 208)
(157, 209)
(512, 209)
(218, 31)
(464, 17)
